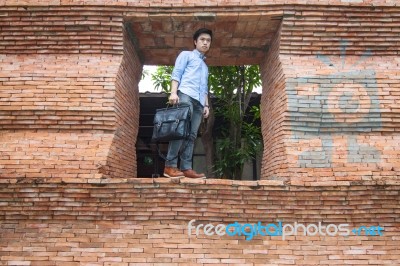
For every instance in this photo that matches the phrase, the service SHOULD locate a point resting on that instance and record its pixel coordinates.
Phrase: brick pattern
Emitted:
(121, 160)
(61, 30)
(141, 222)
(207, 3)
(72, 92)
(331, 93)
(310, 30)
(46, 155)
(342, 118)
(69, 109)
(56, 115)
(64, 113)
(83, 87)
(90, 98)
(241, 36)
(273, 106)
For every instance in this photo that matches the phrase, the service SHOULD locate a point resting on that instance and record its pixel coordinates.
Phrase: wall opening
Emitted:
(151, 164)
(240, 38)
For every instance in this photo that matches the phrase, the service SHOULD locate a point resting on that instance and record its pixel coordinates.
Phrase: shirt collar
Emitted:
(199, 54)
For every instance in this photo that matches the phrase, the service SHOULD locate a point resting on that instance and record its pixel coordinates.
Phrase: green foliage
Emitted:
(162, 78)
(231, 154)
(238, 141)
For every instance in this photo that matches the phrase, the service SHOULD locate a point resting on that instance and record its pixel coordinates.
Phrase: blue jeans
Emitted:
(175, 146)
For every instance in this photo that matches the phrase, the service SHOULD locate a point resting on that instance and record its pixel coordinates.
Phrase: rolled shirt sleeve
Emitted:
(180, 65)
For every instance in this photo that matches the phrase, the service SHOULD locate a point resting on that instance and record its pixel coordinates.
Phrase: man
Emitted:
(189, 85)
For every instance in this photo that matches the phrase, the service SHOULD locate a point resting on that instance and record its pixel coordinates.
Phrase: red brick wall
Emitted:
(68, 70)
(311, 30)
(69, 108)
(58, 94)
(206, 3)
(69, 95)
(273, 107)
(121, 160)
(330, 97)
(136, 221)
(41, 154)
(53, 29)
(354, 134)
(57, 114)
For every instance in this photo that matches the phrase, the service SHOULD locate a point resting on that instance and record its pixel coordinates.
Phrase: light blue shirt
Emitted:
(191, 72)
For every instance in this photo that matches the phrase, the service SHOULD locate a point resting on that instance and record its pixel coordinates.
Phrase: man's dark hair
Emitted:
(200, 31)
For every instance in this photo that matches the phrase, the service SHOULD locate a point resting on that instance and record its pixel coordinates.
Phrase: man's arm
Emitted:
(173, 97)
(206, 110)
(179, 68)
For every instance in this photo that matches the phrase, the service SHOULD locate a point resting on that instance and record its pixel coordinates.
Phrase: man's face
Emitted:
(203, 43)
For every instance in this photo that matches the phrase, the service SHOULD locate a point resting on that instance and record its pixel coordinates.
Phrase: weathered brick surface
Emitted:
(193, 3)
(330, 106)
(331, 103)
(58, 92)
(273, 106)
(69, 117)
(122, 157)
(41, 154)
(338, 119)
(29, 30)
(68, 114)
(137, 221)
(318, 30)
(58, 113)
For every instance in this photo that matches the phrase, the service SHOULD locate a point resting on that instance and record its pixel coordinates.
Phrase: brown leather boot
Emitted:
(173, 172)
(192, 174)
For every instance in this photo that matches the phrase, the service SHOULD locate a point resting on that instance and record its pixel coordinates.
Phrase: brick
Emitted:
(61, 124)
(54, 93)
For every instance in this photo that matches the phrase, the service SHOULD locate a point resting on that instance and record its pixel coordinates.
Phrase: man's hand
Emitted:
(173, 98)
(206, 111)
